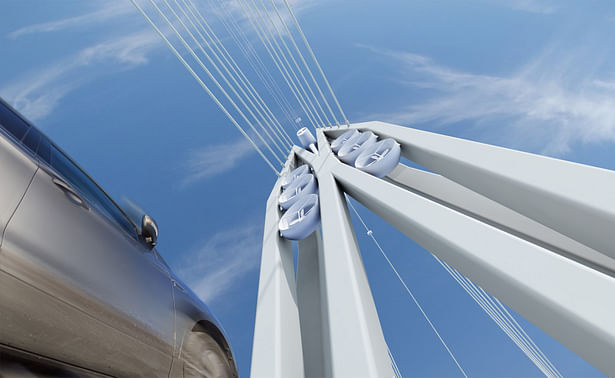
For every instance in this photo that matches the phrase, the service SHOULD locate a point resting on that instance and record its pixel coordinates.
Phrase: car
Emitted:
(83, 290)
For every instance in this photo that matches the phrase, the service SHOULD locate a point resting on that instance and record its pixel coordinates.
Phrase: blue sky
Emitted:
(534, 75)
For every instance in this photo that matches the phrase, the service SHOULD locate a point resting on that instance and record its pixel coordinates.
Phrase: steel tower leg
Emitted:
(310, 285)
(277, 351)
(353, 341)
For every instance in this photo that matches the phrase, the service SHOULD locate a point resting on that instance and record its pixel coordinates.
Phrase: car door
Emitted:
(16, 166)
(82, 288)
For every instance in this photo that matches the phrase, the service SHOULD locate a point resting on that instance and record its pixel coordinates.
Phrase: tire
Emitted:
(204, 357)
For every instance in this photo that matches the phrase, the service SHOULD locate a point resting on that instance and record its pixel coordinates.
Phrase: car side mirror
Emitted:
(149, 231)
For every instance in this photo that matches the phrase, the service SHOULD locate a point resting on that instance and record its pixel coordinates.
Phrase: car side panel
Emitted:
(16, 171)
(189, 312)
(81, 291)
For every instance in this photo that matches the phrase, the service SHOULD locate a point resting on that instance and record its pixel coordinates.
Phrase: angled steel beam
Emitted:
(353, 341)
(448, 193)
(310, 285)
(573, 199)
(276, 351)
(566, 299)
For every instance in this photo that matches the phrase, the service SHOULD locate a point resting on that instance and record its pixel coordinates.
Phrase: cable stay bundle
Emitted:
(370, 233)
(256, 63)
(500, 315)
(204, 55)
(491, 305)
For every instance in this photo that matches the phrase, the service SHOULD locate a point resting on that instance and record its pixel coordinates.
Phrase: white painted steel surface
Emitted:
(446, 192)
(309, 288)
(566, 299)
(276, 351)
(573, 199)
(533, 231)
(353, 342)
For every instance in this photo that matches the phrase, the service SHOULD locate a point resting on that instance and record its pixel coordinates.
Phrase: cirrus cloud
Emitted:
(554, 100)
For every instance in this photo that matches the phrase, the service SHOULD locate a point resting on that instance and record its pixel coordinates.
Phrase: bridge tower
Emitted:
(534, 231)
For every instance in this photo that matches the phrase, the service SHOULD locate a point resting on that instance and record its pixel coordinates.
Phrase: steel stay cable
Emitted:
(257, 64)
(298, 69)
(272, 52)
(316, 61)
(289, 109)
(545, 366)
(281, 147)
(202, 84)
(479, 293)
(307, 84)
(394, 364)
(292, 39)
(268, 118)
(527, 336)
(238, 72)
(416, 302)
(219, 73)
(498, 320)
(498, 316)
(518, 330)
(277, 51)
(259, 70)
(281, 67)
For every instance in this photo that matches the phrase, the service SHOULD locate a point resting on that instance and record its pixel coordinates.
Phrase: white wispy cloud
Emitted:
(549, 104)
(110, 10)
(37, 93)
(531, 6)
(219, 263)
(217, 159)
(242, 14)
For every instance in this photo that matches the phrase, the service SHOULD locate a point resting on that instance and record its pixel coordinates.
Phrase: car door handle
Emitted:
(67, 189)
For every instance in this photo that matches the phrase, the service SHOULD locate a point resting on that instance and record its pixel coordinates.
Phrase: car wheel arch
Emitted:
(213, 331)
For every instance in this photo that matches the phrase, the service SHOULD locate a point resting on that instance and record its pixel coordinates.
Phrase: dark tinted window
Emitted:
(44, 150)
(88, 188)
(32, 139)
(12, 123)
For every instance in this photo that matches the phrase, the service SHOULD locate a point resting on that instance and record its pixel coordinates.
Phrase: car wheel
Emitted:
(204, 357)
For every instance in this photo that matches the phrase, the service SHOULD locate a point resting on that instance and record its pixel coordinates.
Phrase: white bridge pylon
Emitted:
(537, 233)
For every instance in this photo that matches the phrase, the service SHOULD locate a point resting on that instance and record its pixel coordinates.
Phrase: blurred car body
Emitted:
(82, 288)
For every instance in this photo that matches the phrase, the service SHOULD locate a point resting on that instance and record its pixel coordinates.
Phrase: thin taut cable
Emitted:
(280, 145)
(292, 58)
(256, 63)
(200, 62)
(505, 321)
(252, 55)
(307, 67)
(316, 61)
(370, 233)
(209, 92)
(265, 36)
(236, 69)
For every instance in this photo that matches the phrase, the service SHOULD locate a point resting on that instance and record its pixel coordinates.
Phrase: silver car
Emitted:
(83, 291)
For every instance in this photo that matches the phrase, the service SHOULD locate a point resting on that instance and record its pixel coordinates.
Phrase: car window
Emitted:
(12, 123)
(80, 181)
(47, 152)
(32, 139)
